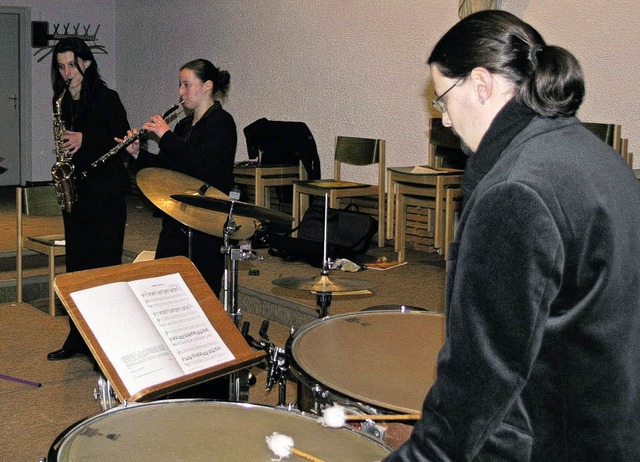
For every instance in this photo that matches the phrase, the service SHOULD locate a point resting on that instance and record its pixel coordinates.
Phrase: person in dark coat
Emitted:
(202, 146)
(93, 115)
(542, 355)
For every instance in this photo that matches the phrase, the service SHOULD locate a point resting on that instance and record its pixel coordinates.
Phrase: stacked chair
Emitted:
(434, 188)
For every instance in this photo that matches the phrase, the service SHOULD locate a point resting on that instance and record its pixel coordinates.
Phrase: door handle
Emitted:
(15, 101)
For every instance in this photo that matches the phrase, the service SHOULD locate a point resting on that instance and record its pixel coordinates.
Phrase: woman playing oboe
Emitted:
(202, 146)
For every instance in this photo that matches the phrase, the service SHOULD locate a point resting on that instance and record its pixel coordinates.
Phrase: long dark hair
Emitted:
(205, 70)
(548, 79)
(92, 81)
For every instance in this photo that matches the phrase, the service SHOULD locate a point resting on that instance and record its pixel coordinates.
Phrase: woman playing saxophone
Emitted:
(93, 115)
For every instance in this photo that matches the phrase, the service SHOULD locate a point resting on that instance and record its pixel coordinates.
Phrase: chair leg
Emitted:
(390, 204)
(295, 206)
(399, 211)
(19, 245)
(401, 227)
(438, 224)
(52, 275)
(381, 220)
(260, 194)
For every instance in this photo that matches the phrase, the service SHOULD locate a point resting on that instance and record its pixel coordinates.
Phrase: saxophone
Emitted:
(62, 170)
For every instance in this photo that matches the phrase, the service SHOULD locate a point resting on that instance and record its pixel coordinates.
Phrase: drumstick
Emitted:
(305, 455)
(381, 418)
(336, 417)
(282, 446)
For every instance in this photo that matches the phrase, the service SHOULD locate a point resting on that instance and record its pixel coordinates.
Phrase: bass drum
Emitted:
(197, 430)
(371, 362)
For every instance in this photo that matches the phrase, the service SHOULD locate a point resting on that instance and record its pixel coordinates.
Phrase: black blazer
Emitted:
(283, 143)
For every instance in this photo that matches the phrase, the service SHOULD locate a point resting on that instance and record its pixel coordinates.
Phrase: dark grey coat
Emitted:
(542, 357)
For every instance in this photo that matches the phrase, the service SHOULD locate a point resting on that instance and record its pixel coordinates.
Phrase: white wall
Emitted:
(343, 67)
(352, 67)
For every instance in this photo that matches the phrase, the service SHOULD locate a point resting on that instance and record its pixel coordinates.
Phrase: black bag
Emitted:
(349, 235)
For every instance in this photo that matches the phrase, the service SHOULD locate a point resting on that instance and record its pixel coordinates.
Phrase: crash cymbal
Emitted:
(240, 209)
(323, 283)
(159, 184)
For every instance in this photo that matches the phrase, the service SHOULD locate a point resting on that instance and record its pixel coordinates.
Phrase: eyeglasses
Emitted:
(441, 105)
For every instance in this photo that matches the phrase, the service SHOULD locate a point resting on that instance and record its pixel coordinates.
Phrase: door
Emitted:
(10, 148)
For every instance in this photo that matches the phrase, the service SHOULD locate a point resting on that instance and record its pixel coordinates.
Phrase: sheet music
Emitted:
(126, 334)
(180, 321)
(152, 330)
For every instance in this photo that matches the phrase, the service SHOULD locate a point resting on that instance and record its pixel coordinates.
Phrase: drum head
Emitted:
(386, 359)
(196, 430)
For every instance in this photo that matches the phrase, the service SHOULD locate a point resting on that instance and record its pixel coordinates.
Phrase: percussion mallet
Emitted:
(282, 446)
(336, 417)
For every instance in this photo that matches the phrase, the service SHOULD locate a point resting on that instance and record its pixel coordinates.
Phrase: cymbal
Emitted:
(159, 184)
(323, 283)
(242, 209)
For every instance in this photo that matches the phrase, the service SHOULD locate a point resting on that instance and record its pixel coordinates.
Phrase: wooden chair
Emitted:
(624, 152)
(38, 200)
(425, 187)
(609, 133)
(352, 151)
(280, 153)
(453, 205)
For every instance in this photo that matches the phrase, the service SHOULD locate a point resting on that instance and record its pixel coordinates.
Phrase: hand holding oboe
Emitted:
(156, 124)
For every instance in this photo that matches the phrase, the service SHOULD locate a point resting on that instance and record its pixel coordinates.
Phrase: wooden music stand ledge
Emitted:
(132, 318)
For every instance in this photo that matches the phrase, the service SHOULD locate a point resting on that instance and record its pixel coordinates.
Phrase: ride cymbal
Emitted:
(240, 209)
(159, 184)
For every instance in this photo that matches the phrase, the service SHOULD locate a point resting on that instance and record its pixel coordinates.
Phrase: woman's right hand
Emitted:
(133, 148)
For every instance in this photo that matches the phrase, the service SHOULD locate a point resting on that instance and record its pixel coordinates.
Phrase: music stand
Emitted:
(68, 283)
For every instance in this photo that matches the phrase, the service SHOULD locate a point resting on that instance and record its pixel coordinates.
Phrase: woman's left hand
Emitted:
(72, 141)
(157, 125)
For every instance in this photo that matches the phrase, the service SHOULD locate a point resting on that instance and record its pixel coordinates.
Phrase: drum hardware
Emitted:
(105, 394)
(232, 208)
(233, 255)
(239, 382)
(277, 362)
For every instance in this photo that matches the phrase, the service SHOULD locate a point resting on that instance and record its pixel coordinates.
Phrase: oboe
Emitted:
(124, 143)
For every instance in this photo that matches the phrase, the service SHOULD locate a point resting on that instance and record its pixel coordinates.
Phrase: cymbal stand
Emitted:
(232, 256)
(323, 299)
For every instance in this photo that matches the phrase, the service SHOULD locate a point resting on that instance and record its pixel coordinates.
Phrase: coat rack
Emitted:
(40, 37)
